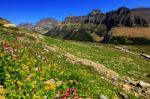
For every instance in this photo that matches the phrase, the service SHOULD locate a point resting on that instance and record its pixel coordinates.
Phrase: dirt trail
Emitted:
(129, 85)
(76, 60)
(133, 53)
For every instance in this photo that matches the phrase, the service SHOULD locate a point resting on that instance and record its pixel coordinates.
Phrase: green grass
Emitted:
(123, 63)
(18, 64)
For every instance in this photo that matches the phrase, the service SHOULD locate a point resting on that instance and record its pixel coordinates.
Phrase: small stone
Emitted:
(137, 89)
(123, 95)
(45, 97)
(50, 81)
(114, 78)
(38, 69)
(143, 84)
(126, 87)
(103, 97)
(127, 80)
(134, 83)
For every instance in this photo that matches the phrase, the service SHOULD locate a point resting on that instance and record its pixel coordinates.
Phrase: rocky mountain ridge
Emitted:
(121, 17)
(143, 12)
(96, 26)
(43, 26)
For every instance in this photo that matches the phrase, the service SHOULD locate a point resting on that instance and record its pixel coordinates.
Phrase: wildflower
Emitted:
(36, 96)
(19, 83)
(50, 81)
(71, 81)
(50, 87)
(59, 83)
(6, 46)
(62, 72)
(2, 91)
(33, 86)
(41, 79)
(28, 78)
(7, 76)
(70, 93)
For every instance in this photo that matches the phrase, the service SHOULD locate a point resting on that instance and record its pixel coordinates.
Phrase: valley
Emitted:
(46, 53)
(93, 70)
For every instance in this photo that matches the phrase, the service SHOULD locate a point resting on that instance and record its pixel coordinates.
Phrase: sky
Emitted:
(22, 11)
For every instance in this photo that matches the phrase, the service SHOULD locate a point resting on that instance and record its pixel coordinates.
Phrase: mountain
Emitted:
(28, 26)
(6, 23)
(45, 25)
(143, 12)
(96, 26)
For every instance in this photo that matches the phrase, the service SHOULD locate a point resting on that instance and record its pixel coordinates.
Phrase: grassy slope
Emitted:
(85, 80)
(54, 66)
(123, 63)
(132, 32)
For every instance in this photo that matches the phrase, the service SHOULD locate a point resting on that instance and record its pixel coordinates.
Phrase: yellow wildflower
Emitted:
(2, 91)
(28, 79)
(41, 79)
(33, 86)
(19, 83)
(71, 81)
(50, 87)
(36, 97)
(7, 76)
(62, 72)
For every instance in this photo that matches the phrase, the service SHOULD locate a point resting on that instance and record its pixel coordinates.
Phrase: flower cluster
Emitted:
(70, 93)
(24, 75)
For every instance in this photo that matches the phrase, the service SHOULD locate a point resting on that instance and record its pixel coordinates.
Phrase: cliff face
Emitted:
(122, 17)
(143, 12)
(95, 17)
(96, 26)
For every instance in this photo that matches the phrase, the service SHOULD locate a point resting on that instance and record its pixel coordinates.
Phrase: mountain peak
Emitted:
(95, 12)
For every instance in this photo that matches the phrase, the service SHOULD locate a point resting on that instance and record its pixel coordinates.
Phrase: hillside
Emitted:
(6, 23)
(126, 35)
(36, 66)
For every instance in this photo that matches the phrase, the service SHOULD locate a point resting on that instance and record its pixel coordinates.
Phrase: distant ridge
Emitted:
(43, 26)
(97, 27)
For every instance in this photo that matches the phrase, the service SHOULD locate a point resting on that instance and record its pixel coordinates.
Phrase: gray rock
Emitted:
(143, 84)
(123, 95)
(103, 97)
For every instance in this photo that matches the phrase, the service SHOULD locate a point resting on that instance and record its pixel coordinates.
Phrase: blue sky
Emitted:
(18, 11)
